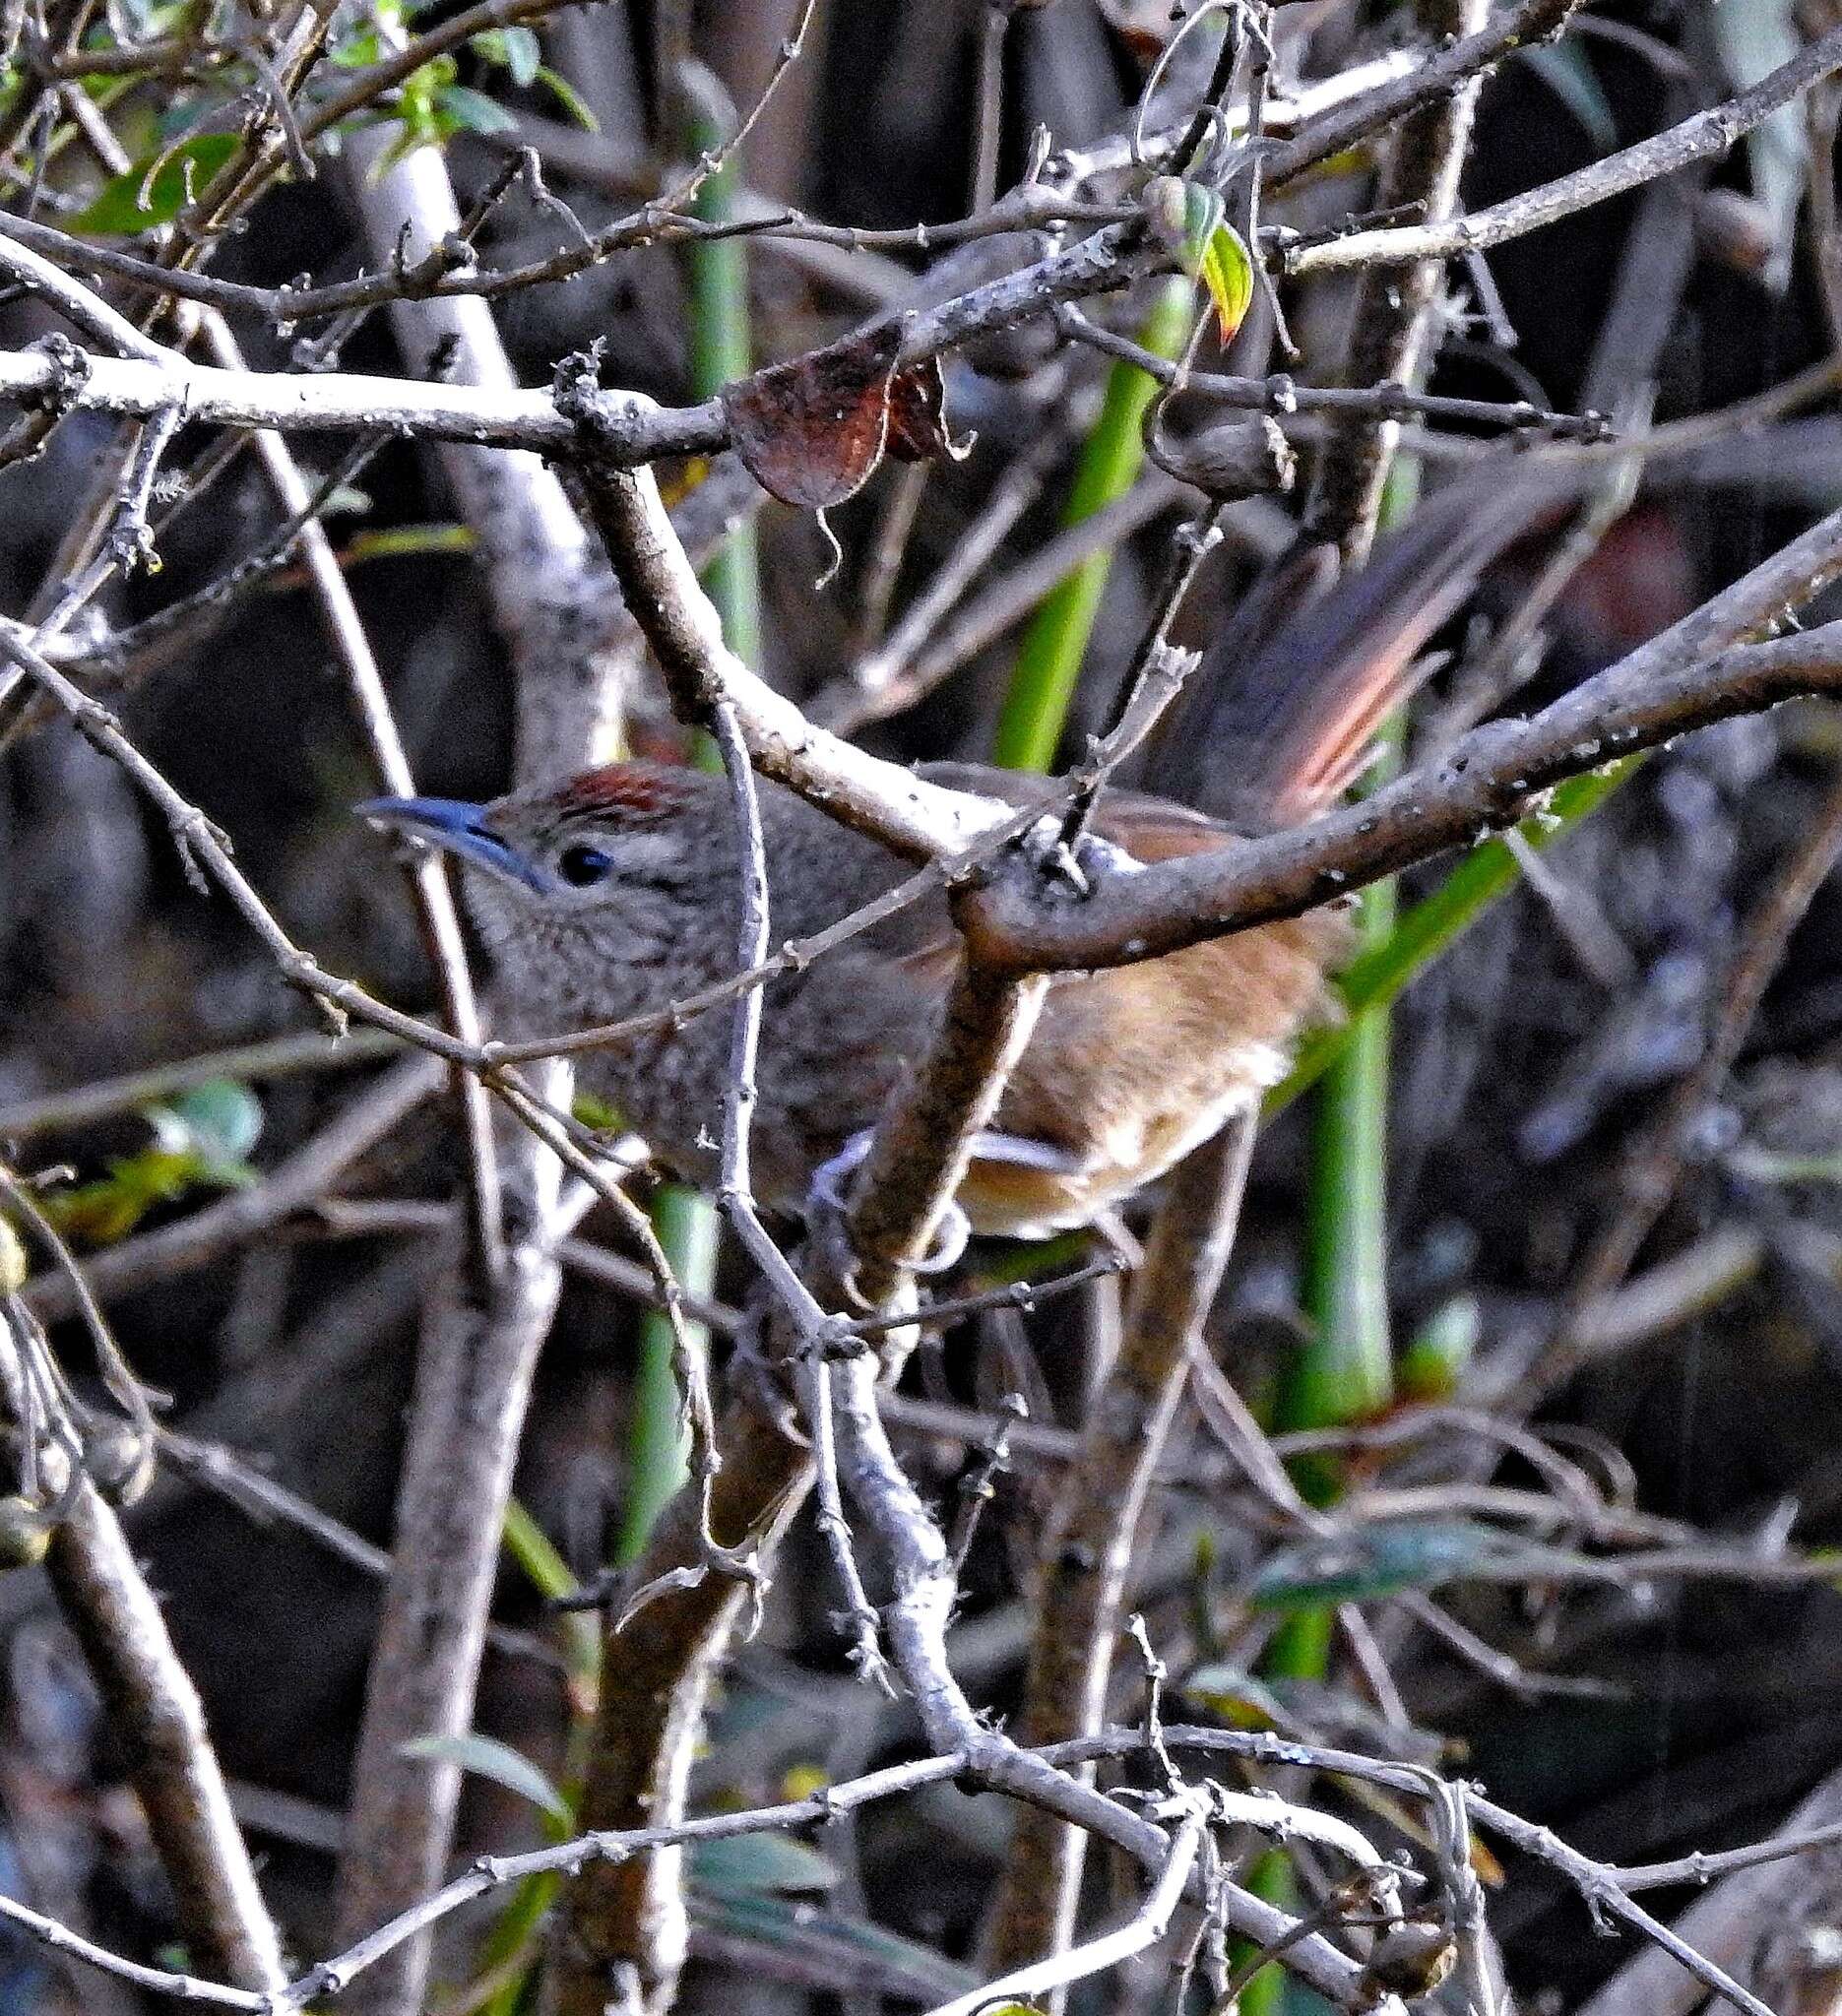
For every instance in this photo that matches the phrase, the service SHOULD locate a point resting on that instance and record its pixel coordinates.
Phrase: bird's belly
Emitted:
(1021, 1201)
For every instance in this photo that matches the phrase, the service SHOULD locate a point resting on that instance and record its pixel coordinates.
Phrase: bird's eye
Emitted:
(581, 866)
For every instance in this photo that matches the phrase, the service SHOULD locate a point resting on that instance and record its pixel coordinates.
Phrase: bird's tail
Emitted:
(1279, 718)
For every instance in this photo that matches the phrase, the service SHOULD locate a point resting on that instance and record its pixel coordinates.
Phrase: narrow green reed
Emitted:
(1048, 663)
(685, 1222)
(722, 350)
(508, 1949)
(1346, 1372)
(1488, 872)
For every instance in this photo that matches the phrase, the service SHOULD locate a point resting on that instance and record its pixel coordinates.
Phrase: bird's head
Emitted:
(613, 851)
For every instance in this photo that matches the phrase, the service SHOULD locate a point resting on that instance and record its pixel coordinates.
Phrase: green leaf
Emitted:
(570, 97)
(488, 1758)
(409, 541)
(1376, 1561)
(1235, 1696)
(759, 1866)
(1183, 217)
(1226, 270)
(530, 1547)
(473, 109)
(424, 124)
(596, 1112)
(1437, 1355)
(1566, 68)
(1424, 930)
(1372, 1561)
(155, 190)
(358, 51)
(1186, 219)
(515, 47)
(106, 1209)
(523, 56)
(219, 1121)
(1754, 37)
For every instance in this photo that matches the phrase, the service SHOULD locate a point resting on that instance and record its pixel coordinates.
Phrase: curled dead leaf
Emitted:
(918, 421)
(811, 431)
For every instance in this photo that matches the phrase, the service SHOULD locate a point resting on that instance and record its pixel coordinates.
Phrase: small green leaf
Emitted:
(1226, 270)
(1186, 219)
(473, 109)
(409, 541)
(358, 51)
(155, 190)
(1183, 217)
(595, 1113)
(570, 97)
(1236, 1697)
(219, 1121)
(530, 1547)
(759, 1866)
(488, 1758)
(523, 56)
(1376, 1561)
(515, 48)
(1435, 1358)
(102, 1212)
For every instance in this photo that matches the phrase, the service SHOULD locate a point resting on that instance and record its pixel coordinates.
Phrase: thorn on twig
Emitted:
(977, 1486)
(1156, 1675)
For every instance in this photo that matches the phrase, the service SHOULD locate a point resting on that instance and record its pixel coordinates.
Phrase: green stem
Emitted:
(685, 1222)
(1380, 971)
(512, 1941)
(1043, 682)
(1345, 1372)
(686, 1225)
(722, 351)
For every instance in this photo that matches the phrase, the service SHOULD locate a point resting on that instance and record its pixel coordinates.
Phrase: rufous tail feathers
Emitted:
(1279, 718)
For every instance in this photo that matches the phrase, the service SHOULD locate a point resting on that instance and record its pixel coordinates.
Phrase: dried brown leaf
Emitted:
(918, 421)
(811, 431)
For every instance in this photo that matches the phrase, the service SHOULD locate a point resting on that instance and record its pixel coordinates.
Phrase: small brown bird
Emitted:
(617, 893)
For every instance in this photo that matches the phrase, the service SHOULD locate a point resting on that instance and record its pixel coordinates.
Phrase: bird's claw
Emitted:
(827, 1189)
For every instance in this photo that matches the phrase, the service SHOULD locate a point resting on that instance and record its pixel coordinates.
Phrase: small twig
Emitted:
(1705, 135)
(1080, 1963)
(736, 1197)
(988, 120)
(1092, 1529)
(978, 1485)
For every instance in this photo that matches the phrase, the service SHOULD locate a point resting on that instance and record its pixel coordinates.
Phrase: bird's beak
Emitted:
(459, 827)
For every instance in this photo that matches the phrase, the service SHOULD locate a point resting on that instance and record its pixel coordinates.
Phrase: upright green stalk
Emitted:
(1346, 1372)
(686, 1223)
(1488, 871)
(1042, 681)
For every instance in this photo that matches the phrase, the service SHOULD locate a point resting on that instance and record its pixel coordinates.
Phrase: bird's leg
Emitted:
(829, 1180)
